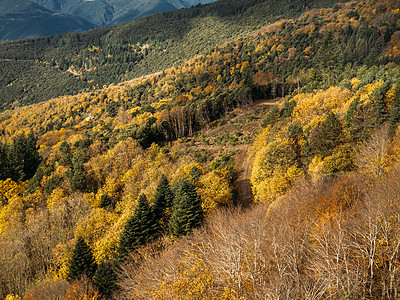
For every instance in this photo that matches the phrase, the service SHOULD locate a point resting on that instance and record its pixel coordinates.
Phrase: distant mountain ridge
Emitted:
(74, 62)
(23, 19)
(110, 12)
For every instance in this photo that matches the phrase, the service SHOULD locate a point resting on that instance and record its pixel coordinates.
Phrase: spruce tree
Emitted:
(78, 180)
(82, 261)
(23, 157)
(330, 58)
(186, 209)
(379, 104)
(32, 157)
(138, 229)
(327, 135)
(66, 158)
(4, 162)
(195, 174)
(16, 158)
(105, 279)
(162, 203)
(106, 201)
(394, 117)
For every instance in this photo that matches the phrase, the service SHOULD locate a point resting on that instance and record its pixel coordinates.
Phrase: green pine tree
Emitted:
(162, 203)
(394, 116)
(330, 58)
(106, 201)
(105, 279)
(4, 162)
(66, 158)
(186, 209)
(138, 229)
(23, 157)
(16, 156)
(78, 180)
(327, 136)
(82, 261)
(32, 158)
(195, 174)
(379, 105)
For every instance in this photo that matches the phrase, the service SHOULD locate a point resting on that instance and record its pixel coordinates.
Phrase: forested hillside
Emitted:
(136, 190)
(74, 62)
(21, 19)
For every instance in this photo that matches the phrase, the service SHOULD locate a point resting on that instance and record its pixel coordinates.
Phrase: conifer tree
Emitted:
(106, 201)
(330, 58)
(379, 105)
(78, 180)
(195, 174)
(82, 261)
(4, 162)
(327, 136)
(138, 229)
(23, 157)
(394, 117)
(162, 203)
(16, 158)
(66, 158)
(105, 279)
(186, 209)
(32, 158)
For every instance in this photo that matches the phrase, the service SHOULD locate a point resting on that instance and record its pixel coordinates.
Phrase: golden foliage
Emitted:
(274, 170)
(313, 105)
(214, 191)
(12, 297)
(82, 289)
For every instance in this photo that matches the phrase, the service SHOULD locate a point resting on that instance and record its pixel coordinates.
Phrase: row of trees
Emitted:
(175, 210)
(337, 237)
(315, 134)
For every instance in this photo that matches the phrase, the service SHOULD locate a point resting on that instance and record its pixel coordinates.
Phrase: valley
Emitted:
(234, 150)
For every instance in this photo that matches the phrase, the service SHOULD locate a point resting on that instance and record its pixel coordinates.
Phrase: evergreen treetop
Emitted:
(162, 202)
(138, 229)
(186, 210)
(82, 261)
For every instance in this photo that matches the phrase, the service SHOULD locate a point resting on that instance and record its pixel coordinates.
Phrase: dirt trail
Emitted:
(244, 162)
(245, 121)
(243, 185)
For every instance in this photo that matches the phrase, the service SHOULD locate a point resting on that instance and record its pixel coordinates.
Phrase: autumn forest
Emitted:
(261, 165)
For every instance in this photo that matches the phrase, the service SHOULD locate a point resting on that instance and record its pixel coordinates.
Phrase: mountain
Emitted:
(21, 19)
(72, 62)
(109, 12)
(296, 121)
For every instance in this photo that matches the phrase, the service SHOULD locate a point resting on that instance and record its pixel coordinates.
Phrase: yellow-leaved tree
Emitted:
(275, 168)
(214, 191)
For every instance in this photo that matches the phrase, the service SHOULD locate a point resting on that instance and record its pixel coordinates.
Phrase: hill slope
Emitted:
(23, 19)
(122, 52)
(332, 135)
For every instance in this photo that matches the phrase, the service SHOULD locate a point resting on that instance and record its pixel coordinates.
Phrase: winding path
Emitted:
(243, 185)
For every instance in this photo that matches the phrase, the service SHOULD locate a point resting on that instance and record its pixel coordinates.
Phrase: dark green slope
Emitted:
(23, 19)
(122, 52)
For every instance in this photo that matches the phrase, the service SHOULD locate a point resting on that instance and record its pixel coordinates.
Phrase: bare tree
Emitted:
(373, 158)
